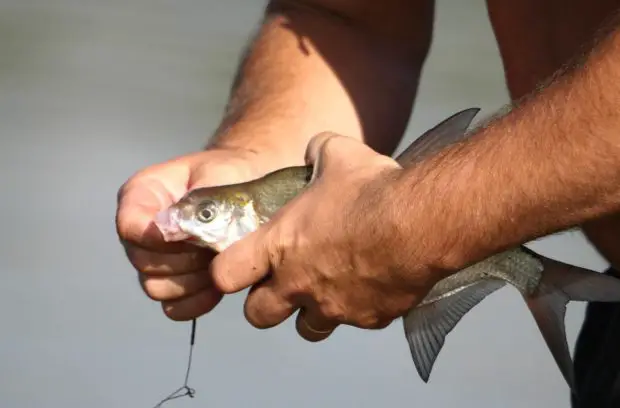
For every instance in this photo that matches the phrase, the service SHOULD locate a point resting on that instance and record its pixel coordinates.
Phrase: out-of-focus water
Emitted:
(91, 91)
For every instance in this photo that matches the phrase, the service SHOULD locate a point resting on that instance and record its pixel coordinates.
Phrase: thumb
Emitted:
(137, 204)
(243, 264)
(315, 152)
(221, 167)
(328, 150)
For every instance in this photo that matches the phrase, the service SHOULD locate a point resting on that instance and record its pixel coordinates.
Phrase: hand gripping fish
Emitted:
(216, 217)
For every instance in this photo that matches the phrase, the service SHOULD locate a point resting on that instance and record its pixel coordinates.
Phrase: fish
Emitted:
(216, 217)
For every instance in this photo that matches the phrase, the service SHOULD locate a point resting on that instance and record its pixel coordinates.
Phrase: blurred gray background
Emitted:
(91, 91)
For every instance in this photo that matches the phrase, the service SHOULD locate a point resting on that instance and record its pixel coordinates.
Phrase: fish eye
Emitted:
(207, 212)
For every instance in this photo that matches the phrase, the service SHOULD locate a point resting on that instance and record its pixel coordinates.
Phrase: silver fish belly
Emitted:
(517, 267)
(546, 285)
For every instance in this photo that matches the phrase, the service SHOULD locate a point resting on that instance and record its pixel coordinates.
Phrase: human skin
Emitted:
(536, 38)
(352, 67)
(312, 66)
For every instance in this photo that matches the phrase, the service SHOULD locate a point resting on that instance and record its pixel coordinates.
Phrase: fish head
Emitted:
(211, 217)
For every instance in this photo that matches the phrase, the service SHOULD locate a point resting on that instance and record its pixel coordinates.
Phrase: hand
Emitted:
(331, 251)
(176, 273)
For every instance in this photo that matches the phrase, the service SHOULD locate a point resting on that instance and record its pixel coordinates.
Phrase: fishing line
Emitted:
(189, 391)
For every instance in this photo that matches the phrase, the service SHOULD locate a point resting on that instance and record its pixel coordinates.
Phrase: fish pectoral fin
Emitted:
(451, 130)
(427, 326)
(560, 284)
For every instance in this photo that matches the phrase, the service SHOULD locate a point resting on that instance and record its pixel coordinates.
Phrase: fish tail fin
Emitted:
(561, 283)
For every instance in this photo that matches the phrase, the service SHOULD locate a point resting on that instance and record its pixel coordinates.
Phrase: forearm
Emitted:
(551, 163)
(312, 69)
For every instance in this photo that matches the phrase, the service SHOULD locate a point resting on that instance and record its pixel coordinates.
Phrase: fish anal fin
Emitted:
(427, 326)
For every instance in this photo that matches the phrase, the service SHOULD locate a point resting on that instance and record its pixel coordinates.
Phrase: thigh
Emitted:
(537, 37)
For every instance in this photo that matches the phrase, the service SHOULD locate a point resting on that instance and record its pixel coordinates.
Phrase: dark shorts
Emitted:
(597, 356)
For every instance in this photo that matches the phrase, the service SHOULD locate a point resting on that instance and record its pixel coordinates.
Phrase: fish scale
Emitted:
(500, 266)
(546, 285)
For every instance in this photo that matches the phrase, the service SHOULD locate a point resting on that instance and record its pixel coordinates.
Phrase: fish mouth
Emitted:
(168, 222)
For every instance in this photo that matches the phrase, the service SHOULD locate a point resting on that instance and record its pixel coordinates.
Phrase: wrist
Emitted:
(439, 224)
(394, 231)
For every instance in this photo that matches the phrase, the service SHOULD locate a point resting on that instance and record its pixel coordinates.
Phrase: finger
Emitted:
(265, 307)
(138, 204)
(243, 264)
(326, 145)
(328, 149)
(230, 170)
(193, 306)
(313, 326)
(175, 287)
(316, 145)
(164, 264)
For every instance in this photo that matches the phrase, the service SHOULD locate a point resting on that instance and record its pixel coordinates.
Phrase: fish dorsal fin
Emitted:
(427, 326)
(449, 131)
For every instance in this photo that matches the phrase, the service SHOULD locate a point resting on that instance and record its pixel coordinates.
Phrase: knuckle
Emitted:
(332, 310)
(175, 287)
(264, 309)
(139, 258)
(155, 289)
(156, 263)
(296, 286)
(173, 313)
(329, 142)
(221, 278)
(253, 316)
(256, 316)
(189, 308)
(122, 191)
(317, 145)
(324, 138)
(276, 252)
(380, 323)
(123, 227)
(369, 321)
